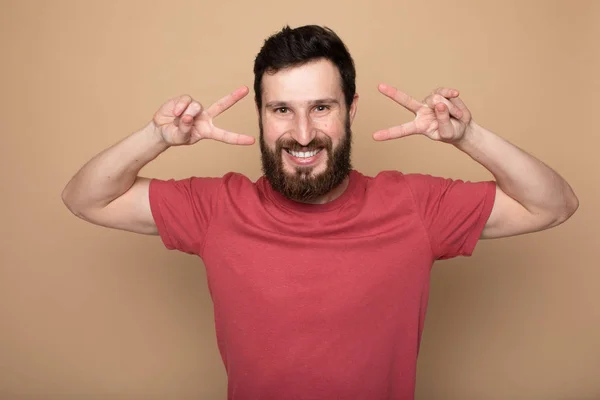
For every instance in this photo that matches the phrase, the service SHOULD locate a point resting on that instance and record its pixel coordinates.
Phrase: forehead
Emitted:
(314, 80)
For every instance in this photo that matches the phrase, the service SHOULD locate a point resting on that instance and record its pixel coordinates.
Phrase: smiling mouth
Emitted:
(304, 154)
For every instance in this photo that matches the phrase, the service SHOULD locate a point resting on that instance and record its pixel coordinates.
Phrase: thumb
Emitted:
(445, 128)
(186, 121)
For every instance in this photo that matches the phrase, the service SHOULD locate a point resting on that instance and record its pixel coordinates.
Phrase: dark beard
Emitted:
(302, 186)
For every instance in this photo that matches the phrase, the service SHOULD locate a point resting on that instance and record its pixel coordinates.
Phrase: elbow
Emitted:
(70, 203)
(569, 208)
(572, 206)
(67, 198)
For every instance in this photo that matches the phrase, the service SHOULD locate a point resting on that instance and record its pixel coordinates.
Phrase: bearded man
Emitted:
(319, 274)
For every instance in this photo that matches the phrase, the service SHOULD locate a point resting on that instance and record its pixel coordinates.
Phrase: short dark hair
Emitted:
(294, 47)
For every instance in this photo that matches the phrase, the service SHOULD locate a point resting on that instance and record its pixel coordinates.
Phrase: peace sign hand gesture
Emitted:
(183, 121)
(442, 116)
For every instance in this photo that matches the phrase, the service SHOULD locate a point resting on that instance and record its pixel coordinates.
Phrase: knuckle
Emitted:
(195, 107)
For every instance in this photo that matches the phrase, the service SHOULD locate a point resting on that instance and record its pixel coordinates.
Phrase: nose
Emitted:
(304, 131)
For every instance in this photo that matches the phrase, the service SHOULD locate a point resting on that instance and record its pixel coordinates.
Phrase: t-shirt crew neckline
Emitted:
(280, 200)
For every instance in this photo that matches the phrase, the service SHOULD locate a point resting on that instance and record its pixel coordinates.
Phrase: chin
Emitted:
(304, 172)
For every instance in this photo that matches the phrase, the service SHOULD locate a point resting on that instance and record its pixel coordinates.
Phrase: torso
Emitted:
(325, 301)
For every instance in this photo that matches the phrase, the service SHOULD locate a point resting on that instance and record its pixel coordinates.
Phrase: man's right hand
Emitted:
(107, 190)
(183, 121)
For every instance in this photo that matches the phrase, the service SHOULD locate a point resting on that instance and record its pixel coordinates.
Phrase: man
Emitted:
(319, 275)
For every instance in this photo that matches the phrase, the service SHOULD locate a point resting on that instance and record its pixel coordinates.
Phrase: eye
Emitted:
(281, 110)
(321, 108)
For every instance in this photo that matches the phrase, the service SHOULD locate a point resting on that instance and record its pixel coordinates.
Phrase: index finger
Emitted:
(226, 102)
(401, 98)
(231, 138)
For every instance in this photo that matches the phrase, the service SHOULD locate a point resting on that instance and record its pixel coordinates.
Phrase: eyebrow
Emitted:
(277, 104)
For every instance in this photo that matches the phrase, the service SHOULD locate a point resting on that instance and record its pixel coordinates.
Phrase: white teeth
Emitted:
(303, 154)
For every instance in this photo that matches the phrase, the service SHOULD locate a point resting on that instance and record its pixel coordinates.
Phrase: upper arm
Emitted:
(453, 212)
(130, 211)
(510, 218)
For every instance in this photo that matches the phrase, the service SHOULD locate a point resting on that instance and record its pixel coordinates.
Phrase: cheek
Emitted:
(333, 128)
(272, 132)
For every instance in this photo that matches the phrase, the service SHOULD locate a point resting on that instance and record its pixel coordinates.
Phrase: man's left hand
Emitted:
(442, 116)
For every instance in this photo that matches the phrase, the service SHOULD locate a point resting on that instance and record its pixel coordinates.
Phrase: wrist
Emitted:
(154, 134)
(469, 138)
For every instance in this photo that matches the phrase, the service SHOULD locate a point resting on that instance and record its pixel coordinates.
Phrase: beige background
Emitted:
(90, 313)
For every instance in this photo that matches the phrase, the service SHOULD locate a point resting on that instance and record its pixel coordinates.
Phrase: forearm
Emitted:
(112, 172)
(525, 179)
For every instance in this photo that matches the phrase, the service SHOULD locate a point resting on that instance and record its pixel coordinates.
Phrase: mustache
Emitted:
(291, 144)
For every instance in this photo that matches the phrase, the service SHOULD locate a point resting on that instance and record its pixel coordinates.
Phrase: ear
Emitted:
(353, 107)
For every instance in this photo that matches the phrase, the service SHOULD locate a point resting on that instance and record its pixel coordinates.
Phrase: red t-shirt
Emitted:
(321, 301)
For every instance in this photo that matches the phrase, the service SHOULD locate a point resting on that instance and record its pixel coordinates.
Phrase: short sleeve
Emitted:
(454, 212)
(182, 211)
